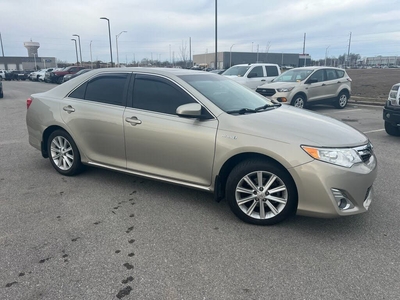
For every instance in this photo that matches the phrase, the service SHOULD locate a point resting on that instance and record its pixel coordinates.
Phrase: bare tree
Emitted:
(184, 53)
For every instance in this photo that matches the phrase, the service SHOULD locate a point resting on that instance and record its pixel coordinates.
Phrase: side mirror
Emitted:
(190, 110)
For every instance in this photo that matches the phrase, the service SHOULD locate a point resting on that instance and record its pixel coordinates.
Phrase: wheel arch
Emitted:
(46, 133)
(227, 167)
(298, 93)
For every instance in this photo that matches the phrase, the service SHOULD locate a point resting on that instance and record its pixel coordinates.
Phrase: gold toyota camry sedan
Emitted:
(207, 132)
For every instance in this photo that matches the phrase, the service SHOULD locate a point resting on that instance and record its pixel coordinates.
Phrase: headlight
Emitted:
(285, 90)
(345, 157)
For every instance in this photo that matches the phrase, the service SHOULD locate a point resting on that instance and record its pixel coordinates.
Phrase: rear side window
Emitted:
(272, 71)
(340, 73)
(331, 74)
(158, 94)
(107, 88)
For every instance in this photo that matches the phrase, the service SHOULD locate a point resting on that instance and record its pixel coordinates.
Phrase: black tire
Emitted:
(63, 153)
(392, 130)
(342, 100)
(277, 206)
(60, 80)
(299, 101)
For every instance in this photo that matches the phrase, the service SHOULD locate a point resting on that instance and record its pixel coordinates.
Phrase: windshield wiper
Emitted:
(242, 111)
(268, 106)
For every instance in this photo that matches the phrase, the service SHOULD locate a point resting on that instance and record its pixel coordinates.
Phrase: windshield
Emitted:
(225, 93)
(293, 75)
(236, 71)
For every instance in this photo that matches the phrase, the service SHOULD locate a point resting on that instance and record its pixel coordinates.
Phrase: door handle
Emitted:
(262, 79)
(133, 121)
(323, 84)
(69, 109)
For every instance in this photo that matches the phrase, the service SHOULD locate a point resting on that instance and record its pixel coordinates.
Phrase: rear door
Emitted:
(95, 110)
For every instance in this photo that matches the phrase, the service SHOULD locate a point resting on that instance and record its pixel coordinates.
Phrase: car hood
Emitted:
(294, 126)
(274, 85)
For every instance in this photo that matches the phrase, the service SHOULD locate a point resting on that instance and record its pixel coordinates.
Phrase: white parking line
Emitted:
(350, 110)
(374, 131)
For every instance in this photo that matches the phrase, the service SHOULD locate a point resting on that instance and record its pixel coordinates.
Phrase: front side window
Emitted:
(157, 94)
(256, 72)
(318, 75)
(107, 88)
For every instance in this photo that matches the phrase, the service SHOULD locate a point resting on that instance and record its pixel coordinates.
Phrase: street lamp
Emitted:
(326, 53)
(116, 42)
(230, 56)
(109, 36)
(76, 50)
(34, 58)
(80, 51)
(91, 61)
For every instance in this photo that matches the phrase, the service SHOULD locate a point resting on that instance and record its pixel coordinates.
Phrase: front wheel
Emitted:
(261, 193)
(392, 130)
(342, 100)
(299, 101)
(63, 153)
(60, 80)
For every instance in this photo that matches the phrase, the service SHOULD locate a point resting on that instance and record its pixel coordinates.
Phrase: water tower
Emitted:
(32, 48)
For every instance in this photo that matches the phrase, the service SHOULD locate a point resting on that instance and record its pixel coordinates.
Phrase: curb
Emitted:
(366, 101)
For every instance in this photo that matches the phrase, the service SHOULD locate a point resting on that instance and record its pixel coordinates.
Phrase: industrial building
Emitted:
(227, 59)
(32, 62)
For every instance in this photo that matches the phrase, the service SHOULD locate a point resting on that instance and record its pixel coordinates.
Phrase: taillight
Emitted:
(28, 102)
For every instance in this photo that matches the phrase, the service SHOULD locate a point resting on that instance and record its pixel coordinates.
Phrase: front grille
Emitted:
(365, 152)
(266, 92)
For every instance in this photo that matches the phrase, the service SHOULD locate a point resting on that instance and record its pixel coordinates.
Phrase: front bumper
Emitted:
(322, 185)
(392, 115)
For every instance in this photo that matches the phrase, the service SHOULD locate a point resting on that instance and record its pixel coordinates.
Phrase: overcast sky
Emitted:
(160, 29)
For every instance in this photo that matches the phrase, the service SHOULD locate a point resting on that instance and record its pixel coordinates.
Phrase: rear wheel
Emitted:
(299, 101)
(342, 100)
(63, 153)
(392, 130)
(261, 193)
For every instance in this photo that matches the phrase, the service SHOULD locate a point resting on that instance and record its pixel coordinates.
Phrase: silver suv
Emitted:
(205, 131)
(310, 85)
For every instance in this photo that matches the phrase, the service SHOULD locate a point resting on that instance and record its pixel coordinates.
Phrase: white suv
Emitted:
(310, 85)
(253, 75)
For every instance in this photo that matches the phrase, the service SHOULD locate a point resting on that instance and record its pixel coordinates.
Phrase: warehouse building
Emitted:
(227, 59)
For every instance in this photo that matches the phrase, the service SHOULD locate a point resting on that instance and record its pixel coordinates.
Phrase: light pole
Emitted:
(76, 50)
(91, 61)
(80, 51)
(326, 53)
(116, 42)
(109, 36)
(34, 58)
(230, 55)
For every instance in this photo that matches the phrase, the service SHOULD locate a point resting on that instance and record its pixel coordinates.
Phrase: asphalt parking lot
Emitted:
(106, 235)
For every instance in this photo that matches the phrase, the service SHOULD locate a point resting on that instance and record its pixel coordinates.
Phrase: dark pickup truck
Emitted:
(57, 76)
(391, 111)
(17, 75)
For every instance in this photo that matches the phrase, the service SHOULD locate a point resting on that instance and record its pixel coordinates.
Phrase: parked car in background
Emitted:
(218, 71)
(1, 89)
(309, 85)
(204, 131)
(17, 75)
(57, 76)
(3, 74)
(70, 76)
(39, 75)
(253, 75)
(391, 111)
